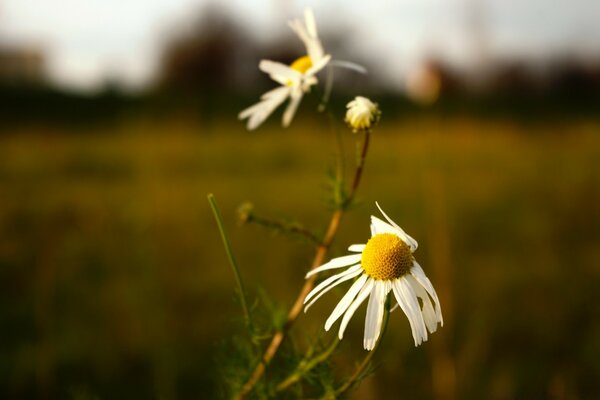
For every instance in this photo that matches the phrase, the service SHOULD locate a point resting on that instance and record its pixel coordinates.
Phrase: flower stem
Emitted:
(322, 249)
(281, 226)
(306, 365)
(232, 261)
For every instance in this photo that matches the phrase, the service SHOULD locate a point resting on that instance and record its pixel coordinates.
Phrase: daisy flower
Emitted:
(295, 79)
(385, 264)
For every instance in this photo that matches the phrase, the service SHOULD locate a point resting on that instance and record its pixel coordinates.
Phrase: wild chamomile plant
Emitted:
(383, 272)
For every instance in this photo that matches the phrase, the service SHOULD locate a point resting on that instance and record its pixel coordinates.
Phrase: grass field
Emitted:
(114, 284)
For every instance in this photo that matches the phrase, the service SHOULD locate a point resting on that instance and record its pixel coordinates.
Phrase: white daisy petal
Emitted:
(299, 30)
(414, 309)
(349, 65)
(412, 243)
(279, 72)
(345, 302)
(374, 317)
(290, 111)
(261, 110)
(311, 24)
(351, 273)
(318, 65)
(403, 305)
(336, 263)
(420, 276)
(327, 281)
(358, 248)
(364, 293)
(378, 226)
(427, 309)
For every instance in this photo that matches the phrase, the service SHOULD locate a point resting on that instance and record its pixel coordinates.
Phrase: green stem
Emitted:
(296, 308)
(232, 261)
(284, 227)
(306, 365)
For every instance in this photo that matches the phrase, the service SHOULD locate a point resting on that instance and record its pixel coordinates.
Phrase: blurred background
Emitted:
(117, 118)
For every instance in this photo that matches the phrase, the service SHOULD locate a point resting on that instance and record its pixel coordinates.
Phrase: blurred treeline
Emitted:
(211, 70)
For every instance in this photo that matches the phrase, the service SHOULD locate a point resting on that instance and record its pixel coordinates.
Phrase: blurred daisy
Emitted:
(295, 79)
(385, 264)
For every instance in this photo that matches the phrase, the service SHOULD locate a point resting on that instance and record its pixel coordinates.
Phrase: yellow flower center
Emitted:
(386, 257)
(302, 64)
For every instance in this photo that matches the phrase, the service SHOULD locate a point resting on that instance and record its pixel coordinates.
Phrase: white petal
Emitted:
(345, 301)
(336, 263)
(279, 72)
(308, 35)
(318, 65)
(327, 281)
(349, 65)
(300, 30)
(415, 310)
(403, 305)
(296, 96)
(358, 248)
(412, 243)
(428, 311)
(420, 276)
(364, 292)
(374, 318)
(378, 226)
(405, 301)
(311, 24)
(260, 111)
(340, 278)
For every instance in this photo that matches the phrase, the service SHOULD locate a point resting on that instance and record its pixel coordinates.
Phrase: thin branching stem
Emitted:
(307, 365)
(309, 283)
(232, 261)
(283, 227)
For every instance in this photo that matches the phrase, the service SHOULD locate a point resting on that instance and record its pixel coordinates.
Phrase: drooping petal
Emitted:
(318, 65)
(418, 273)
(330, 283)
(260, 111)
(414, 308)
(357, 248)
(407, 306)
(336, 263)
(345, 302)
(348, 65)
(378, 226)
(364, 293)
(412, 243)
(290, 111)
(428, 311)
(374, 317)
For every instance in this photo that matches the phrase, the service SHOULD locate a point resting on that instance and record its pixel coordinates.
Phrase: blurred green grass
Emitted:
(115, 285)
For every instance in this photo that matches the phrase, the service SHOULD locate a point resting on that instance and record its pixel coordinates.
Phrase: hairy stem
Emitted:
(284, 227)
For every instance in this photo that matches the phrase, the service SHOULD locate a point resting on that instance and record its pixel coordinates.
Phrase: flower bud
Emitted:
(362, 113)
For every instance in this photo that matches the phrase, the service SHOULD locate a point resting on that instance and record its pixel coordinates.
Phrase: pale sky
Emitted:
(88, 42)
